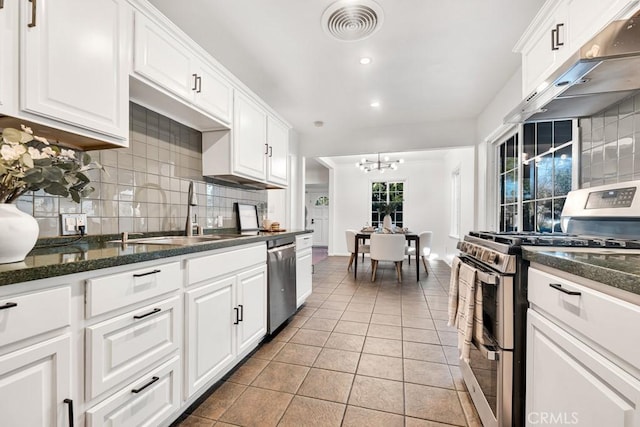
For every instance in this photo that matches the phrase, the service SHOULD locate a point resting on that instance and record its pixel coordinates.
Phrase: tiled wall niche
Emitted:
(611, 145)
(144, 187)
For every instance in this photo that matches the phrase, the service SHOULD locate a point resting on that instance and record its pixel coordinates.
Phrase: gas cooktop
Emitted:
(555, 239)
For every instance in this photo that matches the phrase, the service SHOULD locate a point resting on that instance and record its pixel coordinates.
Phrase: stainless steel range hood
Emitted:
(602, 72)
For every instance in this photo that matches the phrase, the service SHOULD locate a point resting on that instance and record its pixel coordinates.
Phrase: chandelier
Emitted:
(380, 165)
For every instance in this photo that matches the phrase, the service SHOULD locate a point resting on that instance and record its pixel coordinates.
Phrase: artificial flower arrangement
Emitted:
(31, 163)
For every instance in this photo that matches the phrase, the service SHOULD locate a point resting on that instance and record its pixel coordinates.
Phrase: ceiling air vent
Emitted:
(350, 21)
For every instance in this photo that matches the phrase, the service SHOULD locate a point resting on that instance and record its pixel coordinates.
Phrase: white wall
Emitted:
(427, 197)
(464, 160)
(490, 127)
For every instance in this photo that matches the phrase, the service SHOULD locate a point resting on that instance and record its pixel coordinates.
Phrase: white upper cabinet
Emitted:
(278, 141)
(254, 151)
(558, 31)
(250, 146)
(168, 63)
(64, 66)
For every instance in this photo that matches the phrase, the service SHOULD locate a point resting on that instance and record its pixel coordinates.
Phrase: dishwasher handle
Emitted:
(281, 248)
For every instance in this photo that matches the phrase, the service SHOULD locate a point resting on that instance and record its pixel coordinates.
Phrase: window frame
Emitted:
(370, 200)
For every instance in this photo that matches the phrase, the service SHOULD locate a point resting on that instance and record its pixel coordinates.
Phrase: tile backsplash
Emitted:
(610, 150)
(144, 187)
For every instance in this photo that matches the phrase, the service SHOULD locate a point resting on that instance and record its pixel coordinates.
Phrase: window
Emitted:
(389, 193)
(455, 203)
(544, 173)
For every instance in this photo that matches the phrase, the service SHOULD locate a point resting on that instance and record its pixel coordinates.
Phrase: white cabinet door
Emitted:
(545, 52)
(8, 49)
(34, 383)
(252, 303)
(573, 383)
(161, 58)
(213, 93)
(278, 140)
(210, 336)
(73, 64)
(249, 138)
(304, 271)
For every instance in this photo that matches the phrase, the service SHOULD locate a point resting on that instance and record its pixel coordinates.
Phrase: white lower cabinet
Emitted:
(148, 401)
(582, 369)
(210, 338)
(304, 267)
(252, 305)
(119, 348)
(226, 314)
(573, 384)
(35, 384)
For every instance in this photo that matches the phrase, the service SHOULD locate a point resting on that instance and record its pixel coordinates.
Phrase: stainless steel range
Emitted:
(606, 217)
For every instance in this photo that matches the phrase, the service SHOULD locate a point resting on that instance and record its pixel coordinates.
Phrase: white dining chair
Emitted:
(350, 235)
(387, 247)
(424, 250)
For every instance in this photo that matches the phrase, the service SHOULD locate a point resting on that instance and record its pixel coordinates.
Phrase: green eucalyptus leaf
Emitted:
(43, 162)
(75, 196)
(56, 189)
(86, 191)
(82, 177)
(16, 136)
(86, 158)
(27, 161)
(34, 176)
(52, 173)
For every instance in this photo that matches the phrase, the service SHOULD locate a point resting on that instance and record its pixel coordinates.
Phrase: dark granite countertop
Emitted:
(58, 257)
(617, 268)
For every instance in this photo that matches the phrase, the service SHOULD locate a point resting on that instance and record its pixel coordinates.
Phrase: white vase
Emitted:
(18, 233)
(386, 222)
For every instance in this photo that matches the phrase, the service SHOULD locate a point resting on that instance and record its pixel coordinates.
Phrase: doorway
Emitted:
(317, 217)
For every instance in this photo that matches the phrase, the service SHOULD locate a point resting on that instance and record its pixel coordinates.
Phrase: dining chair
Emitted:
(424, 250)
(351, 246)
(387, 247)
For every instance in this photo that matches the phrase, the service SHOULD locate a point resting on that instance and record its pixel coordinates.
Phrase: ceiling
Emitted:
(435, 66)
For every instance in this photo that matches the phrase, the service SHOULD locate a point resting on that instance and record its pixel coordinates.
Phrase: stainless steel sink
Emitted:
(182, 240)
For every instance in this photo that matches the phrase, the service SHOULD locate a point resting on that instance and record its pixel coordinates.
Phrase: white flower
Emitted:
(69, 154)
(37, 154)
(48, 151)
(26, 129)
(41, 139)
(11, 153)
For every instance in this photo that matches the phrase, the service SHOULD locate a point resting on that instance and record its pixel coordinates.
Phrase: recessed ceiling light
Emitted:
(365, 61)
(375, 104)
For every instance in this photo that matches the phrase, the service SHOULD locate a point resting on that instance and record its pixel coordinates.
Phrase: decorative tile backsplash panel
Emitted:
(144, 187)
(611, 145)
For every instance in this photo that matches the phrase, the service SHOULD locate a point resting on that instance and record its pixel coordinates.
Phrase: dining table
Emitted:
(363, 236)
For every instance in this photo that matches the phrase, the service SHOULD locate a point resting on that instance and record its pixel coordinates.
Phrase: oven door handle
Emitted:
(481, 274)
(488, 351)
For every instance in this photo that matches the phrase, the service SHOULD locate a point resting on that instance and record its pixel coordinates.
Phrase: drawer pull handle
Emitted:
(147, 273)
(559, 287)
(241, 312)
(236, 310)
(70, 403)
(8, 305)
(138, 390)
(142, 316)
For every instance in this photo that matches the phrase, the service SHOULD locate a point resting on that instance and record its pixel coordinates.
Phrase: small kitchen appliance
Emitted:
(605, 218)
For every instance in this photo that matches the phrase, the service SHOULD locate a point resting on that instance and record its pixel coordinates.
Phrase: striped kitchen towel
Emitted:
(453, 292)
(465, 321)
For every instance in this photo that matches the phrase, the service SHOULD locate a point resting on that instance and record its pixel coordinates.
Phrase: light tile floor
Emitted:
(357, 354)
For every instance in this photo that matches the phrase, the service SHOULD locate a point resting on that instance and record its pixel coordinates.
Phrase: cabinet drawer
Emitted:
(597, 316)
(33, 314)
(222, 263)
(120, 290)
(120, 348)
(304, 241)
(148, 401)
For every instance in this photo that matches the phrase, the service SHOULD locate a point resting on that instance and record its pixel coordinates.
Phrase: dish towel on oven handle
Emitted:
(453, 292)
(466, 319)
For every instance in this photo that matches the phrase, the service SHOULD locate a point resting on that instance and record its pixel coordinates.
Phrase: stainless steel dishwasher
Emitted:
(281, 284)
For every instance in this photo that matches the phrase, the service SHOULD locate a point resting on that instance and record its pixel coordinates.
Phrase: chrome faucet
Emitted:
(191, 201)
